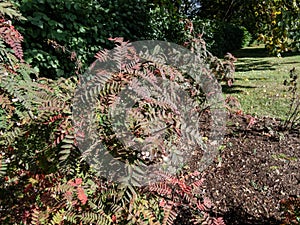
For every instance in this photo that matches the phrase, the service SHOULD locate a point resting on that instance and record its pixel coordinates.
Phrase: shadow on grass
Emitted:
(234, 89)
(292, 62)
(252, 59)
(259, 52)
(287, 54)
(251, 78)
(252, 65)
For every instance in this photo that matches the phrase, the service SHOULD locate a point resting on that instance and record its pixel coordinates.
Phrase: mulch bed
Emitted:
(257, 168)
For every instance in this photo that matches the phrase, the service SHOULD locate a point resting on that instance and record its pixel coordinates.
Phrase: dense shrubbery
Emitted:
(83, 28)
(167, 25)
(44, 179)
(57, 31)
(80, 27)
(222, 37)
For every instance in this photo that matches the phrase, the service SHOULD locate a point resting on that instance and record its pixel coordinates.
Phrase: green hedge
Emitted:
(222, 37)
(78, 25)
(83, 27)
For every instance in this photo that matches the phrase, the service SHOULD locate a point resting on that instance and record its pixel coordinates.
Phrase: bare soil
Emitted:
(258, 166)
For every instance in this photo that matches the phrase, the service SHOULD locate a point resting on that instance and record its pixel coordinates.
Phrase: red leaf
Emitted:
(72, 183)
(114, 218)
(68, 195)
(117, 40)
(207, 202)
(81, 195)
(78, 181)
(162, 202)
(201, 206)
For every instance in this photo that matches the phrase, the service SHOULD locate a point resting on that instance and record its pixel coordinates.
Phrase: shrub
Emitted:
(84, 28)
(167, 25)
(224, 69)
(247, 37)
(222, 37)
(35, 126)
(43, 177)
(292, 120)
(80, 26)
(46, 185)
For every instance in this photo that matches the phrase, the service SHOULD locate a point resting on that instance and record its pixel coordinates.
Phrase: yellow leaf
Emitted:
(32, 181)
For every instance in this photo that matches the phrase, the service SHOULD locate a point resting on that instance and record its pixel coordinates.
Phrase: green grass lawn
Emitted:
(259, 81)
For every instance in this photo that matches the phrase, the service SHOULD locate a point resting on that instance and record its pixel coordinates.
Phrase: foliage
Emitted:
(293, 116)
(154, 123)
(167, 23)
(35, 126)
(222, 69)
(148, 113)
(274, 22)
(80, 26)
(279, 24)
(225, 10)
(8, 9)
(86, 199)
(50, 42)
(43, 177)
(145, 147)
(35, 118)
(240, 14)
(172, 25)
(9, 35)
(181, 194)
(184, 7)
(246, 37)
(222, 37)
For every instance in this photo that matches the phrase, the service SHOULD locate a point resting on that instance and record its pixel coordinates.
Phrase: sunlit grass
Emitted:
(259, 82)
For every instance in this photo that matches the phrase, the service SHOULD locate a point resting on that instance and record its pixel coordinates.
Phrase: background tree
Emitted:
(275, 21)
(184, 7)
(279, 25)
(224, 10)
